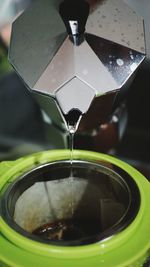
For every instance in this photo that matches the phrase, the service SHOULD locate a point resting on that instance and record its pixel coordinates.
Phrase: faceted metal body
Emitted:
(50, 64)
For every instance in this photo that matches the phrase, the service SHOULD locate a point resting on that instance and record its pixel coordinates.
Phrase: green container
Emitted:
(129, 245)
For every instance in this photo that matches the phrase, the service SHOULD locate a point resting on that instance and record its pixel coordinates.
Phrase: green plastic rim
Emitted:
(128, 248)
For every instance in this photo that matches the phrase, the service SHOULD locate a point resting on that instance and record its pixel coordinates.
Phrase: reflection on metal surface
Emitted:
(105, 56)
(119, 60)
(115, 21)
(36, 36)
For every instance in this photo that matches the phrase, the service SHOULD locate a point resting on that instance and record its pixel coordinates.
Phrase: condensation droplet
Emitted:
(52, 67)
(142, 48)
(53, 80)
(131, 56)
(120, 62)
(133, 66)
(85, 72)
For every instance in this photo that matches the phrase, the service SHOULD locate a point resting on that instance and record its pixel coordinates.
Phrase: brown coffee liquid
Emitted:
(67, 230)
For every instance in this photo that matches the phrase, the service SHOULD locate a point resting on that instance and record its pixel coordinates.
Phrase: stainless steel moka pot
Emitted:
(76, 57)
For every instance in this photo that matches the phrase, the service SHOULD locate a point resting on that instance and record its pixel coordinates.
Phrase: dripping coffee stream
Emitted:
(72, 120)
